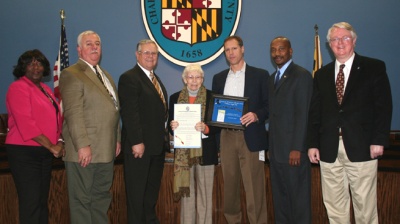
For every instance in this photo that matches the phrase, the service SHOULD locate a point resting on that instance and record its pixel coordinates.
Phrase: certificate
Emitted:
(226, 111)
(187, 115)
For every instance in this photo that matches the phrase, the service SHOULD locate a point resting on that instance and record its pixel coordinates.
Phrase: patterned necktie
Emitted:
(102, 81)
(158, 88)
(277, 77)
(340, 84)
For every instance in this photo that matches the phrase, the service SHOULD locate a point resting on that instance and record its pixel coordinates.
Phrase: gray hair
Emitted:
(342, 25)
(84, 33)
(143, 42)
(192, 68)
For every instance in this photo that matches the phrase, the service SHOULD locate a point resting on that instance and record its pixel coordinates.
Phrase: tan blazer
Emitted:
(90, 117)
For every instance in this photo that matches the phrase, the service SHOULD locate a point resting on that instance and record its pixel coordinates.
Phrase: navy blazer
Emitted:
(256, 88)
(364, 115)
(288, 107)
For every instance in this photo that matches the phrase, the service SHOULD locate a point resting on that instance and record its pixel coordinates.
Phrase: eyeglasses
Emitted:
(344, 39)
(198, 78)
(148, 53)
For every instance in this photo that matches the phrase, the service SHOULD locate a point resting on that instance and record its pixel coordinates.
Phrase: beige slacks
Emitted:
(197, 209)
(360, 178)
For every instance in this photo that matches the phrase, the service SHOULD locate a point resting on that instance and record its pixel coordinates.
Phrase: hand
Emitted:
(62, 153)
(85, 156)
(248, 118)
(376, 151)
(118, 149)
(313, 155)
(174, 124)
(138, 150)
(200, 126)
(57, 150)
(294, 158)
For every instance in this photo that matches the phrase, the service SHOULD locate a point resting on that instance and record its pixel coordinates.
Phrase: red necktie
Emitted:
(340, 84)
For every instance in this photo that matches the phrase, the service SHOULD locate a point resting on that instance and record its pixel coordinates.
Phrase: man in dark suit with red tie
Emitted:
(349, 124)
(143, 100)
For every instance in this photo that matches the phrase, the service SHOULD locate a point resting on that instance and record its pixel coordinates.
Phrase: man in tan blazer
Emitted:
(91, 132)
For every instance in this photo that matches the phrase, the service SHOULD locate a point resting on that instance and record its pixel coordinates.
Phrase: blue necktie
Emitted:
(277, 77)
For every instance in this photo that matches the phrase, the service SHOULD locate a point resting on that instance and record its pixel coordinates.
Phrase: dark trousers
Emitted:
(291, 191)
(31, 170)
(142, 183)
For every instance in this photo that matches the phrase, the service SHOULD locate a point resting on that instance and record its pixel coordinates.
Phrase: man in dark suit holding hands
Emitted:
(144, 113)
(240, 150)
(290, 89)
(349, 124)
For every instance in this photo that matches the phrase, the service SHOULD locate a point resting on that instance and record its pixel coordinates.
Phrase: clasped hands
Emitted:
(58, 150)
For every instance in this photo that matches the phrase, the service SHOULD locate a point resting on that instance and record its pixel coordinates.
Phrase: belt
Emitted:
(232, 129)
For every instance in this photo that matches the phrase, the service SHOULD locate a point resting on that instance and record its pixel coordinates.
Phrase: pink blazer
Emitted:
(30, 113)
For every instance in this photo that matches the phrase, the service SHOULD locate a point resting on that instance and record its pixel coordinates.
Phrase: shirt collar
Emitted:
(347, 64)
(284, 67)
(243, 69)
(147, 72)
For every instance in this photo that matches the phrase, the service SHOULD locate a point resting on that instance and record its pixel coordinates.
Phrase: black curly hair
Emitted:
(26, 58)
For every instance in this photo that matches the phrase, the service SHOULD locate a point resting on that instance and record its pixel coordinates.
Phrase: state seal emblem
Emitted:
(190, 31)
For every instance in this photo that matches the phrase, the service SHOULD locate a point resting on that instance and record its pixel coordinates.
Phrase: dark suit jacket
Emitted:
(209, 145)
(256, 88)
(142, 112)
(364, 116)
(288, 112)
(90, 114)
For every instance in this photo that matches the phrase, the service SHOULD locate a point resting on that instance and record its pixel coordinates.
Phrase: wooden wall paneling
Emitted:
(169, 211)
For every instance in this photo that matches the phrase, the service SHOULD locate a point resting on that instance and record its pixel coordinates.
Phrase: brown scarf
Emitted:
(186, 158)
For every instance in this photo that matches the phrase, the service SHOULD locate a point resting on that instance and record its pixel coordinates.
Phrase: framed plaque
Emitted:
(226, 111)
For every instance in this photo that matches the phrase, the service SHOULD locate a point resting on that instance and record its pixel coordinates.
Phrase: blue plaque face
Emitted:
(226, 111)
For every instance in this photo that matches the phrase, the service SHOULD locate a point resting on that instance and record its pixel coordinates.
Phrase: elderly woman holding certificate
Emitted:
(194, 167)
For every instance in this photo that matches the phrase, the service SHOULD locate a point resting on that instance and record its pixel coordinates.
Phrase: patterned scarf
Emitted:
(186, 158)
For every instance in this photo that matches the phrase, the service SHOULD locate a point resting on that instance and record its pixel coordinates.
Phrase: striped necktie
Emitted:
(101, 78)
(158, 88)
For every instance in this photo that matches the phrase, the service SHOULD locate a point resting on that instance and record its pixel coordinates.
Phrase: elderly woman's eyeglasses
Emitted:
(198, 78)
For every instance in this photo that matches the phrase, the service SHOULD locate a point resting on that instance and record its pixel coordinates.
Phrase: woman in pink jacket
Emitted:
(34, 121)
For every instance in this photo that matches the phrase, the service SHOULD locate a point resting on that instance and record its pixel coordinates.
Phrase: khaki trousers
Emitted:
(197, 209)
(238, 164)
(361, 178)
